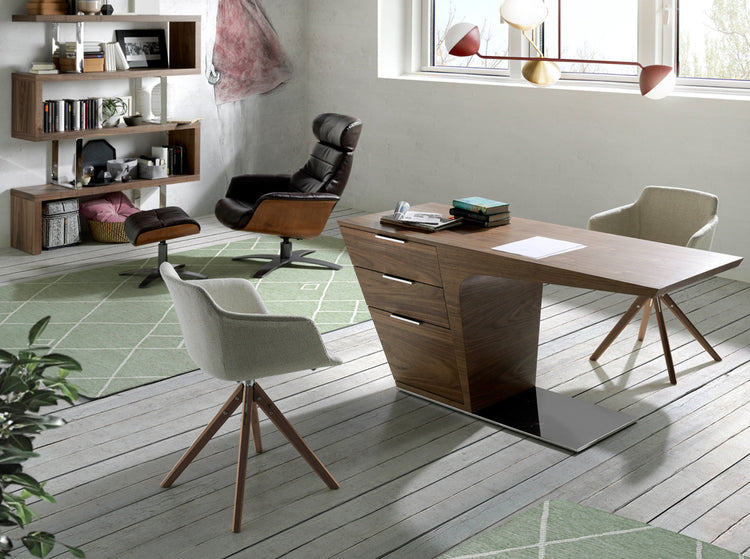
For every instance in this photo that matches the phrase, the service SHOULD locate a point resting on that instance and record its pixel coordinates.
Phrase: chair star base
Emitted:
(285, 257)
(153, 273)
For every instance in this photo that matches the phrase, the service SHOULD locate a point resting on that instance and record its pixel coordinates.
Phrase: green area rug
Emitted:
(124, 336)
(563, 530)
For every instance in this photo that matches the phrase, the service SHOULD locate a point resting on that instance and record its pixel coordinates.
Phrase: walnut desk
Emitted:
(459, 321)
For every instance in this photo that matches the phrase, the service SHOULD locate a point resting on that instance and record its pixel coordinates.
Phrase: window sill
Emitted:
(691, 92)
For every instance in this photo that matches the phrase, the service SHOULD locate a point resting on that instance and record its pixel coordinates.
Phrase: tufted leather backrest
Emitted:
(330, 163)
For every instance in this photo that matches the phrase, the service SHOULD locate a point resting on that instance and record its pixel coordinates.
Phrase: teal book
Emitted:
(481, 205)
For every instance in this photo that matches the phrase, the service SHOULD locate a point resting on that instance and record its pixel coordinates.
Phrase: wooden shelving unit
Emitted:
(183, 39)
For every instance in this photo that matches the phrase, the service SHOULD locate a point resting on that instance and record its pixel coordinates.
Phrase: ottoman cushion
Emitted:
(160, 224)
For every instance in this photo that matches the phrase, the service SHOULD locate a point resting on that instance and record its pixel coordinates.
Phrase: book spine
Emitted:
(99, 117)
(477, 208)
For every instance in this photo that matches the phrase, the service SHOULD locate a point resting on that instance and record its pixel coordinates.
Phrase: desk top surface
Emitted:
(607, 262)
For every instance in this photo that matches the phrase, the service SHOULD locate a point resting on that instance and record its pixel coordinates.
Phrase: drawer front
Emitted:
(420, 355)
(404, 259)
(409, 298)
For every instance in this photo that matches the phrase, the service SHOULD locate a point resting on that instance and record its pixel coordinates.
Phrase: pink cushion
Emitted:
(112, 208)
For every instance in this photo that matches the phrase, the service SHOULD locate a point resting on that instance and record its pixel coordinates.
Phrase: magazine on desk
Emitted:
(422, 221)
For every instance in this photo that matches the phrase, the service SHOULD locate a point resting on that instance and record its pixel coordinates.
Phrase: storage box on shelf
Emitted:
(28, 119)
(60, 224)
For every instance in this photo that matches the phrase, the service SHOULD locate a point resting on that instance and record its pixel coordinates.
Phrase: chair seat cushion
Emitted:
(159, 224)
(112, 208)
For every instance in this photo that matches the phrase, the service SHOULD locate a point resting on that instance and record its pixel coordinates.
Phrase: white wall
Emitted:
(260, 134)
(554, 154)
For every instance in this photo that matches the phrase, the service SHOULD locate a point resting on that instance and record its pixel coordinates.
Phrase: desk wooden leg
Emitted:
(619, 327)
(672, 306)
(665, 341)
(644, 321)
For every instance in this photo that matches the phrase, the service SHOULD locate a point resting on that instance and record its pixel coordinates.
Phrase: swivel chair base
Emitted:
(286, 256)
(153, 273)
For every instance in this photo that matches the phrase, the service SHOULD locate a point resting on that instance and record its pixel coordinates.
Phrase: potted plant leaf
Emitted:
(25, 387)
(113, 109)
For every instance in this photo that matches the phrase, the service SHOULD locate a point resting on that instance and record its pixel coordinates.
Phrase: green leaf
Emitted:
(37, 329)
(6, 357)
(75, 551)
(39, 544)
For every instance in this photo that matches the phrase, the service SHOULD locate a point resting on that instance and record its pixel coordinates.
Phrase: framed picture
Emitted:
(143, 47)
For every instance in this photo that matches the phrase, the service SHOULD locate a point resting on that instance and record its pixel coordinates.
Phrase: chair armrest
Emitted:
(703, 238)
(248, 188)
(618, 221)
(270, 345)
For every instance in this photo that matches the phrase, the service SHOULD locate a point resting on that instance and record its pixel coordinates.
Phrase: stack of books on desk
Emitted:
(483, 212)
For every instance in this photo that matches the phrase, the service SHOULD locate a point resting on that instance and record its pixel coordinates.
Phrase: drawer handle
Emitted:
(400, 280)
(404, 319)
(383, 238)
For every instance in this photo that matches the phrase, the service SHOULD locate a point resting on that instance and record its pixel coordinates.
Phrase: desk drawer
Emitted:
(404, 259)
(420, 355)
(409, 298)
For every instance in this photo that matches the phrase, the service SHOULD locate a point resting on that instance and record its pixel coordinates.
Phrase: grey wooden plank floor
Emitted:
(416, 478)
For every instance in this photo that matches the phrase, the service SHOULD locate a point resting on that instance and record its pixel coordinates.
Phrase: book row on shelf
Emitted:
(72, 114)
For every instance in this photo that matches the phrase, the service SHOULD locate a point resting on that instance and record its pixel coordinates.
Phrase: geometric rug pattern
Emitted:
(563, 530)
(124, 336)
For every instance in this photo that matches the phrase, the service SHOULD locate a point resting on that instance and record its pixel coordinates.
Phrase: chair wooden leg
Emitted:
(644, 321)
(281, 423)
(239, 488)
(664, 340)
(690, 327)
(255, 422)
(619, 327)
(209, 431)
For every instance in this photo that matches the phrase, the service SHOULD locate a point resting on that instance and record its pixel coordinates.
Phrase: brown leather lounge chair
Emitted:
(296, 206)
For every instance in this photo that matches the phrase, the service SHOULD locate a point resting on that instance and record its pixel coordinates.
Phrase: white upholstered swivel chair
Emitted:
(677, 216)
(230, 335)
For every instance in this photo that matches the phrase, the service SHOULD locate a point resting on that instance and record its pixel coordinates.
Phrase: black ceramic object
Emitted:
(107, 10)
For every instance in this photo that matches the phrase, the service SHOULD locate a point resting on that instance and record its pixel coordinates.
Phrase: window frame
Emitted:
(657, 44)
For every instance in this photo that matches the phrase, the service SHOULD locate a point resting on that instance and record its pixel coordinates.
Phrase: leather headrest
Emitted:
(337, 130)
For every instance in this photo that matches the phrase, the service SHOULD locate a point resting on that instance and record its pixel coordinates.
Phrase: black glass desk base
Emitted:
(554, 418)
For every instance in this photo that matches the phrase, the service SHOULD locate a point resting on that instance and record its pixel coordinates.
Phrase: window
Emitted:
(714, 39)
(485, 15)
(706, 41)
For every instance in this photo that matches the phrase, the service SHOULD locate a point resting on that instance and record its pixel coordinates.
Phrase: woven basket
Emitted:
(108, 232)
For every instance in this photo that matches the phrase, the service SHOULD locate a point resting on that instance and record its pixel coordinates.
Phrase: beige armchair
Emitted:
(664, 214)
(230, 335)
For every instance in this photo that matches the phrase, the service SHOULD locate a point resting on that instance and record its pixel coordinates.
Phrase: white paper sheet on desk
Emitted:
(538, 247)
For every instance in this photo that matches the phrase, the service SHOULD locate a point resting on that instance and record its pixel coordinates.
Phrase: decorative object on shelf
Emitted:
(143, 47)
(248, 58)
(47, 8)
(96, 153)
(113, 109)
(89, 7)
(463, 39)
(107, 10)
(134, 120)
(149, 94)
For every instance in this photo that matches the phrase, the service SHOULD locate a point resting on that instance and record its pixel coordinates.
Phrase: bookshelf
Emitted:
(27, 122)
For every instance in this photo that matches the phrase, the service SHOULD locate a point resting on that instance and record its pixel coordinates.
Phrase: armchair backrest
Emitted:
(674, 215)
(229, 333)
(330, 163)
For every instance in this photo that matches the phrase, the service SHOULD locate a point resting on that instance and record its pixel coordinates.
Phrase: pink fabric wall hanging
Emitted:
(247, 54)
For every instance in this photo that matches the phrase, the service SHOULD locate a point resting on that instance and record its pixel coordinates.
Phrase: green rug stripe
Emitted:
(124, 336)
(564, 530)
